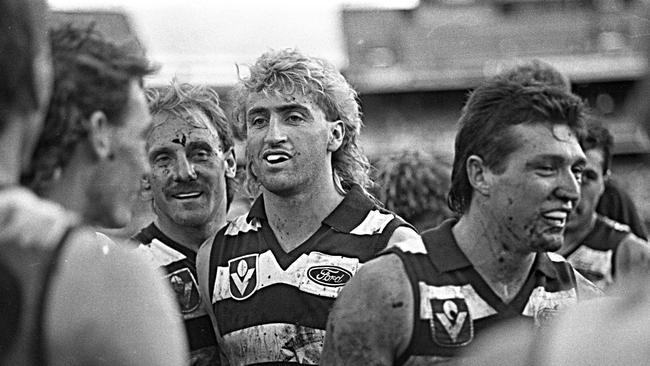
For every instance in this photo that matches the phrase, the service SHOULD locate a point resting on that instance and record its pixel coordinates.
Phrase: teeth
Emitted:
(188, 195)
(557, 215)
(276, 158)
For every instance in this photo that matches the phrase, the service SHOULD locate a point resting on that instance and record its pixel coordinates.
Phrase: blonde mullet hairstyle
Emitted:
(290, 72)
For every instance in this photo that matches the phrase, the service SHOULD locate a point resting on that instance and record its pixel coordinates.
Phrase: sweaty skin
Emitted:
(382, 330)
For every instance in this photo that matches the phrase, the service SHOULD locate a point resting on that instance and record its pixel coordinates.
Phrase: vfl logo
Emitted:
(243, 276)
(451, 324)
(329, 275)
(186, 290)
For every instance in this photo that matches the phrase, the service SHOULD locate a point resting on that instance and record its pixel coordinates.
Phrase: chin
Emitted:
(548, 242)
(191, 220)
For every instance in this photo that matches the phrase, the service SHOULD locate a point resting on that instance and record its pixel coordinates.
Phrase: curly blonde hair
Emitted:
(288, 71)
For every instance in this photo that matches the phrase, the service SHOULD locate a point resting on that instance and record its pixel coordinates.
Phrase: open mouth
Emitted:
(556, 218)
(187, 196)
(276, 158)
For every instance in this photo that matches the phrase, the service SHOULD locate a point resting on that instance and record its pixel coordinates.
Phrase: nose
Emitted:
(184, 170)
(568, 188)
(275, 133)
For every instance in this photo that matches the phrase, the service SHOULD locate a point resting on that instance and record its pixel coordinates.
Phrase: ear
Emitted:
(99, 135)
(230, 162)
(606, 176)
(336, 135)
(145, 188)
(479, 176)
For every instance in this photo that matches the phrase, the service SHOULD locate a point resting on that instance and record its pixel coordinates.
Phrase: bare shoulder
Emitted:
(371, 321)
(107, 301)
(632, 257)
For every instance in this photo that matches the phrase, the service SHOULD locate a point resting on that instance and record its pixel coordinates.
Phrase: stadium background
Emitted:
(412, 62)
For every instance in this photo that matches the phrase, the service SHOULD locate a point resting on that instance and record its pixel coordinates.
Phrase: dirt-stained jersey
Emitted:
(453, 304)
(272, 306)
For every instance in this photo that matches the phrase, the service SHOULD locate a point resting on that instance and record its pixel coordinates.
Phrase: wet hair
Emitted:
(288, 72)
(536, 72)
(598, 137)
(184, 100)
(91, 74)
(414, 185)
(484, 126)
(22, 24)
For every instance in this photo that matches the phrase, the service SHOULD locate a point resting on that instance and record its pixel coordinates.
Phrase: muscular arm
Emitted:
(372, 319)
(108, 306)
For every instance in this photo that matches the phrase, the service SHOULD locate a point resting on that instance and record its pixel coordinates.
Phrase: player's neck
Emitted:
(69, 188)
(504, 269)
(295, 218)
(190, 237)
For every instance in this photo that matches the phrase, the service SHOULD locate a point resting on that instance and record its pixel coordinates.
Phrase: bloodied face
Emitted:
(532, 198)
(188, 169)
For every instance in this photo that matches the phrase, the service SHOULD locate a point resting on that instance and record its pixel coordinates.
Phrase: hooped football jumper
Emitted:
(453, 304)
(179, 263)
(271, 306)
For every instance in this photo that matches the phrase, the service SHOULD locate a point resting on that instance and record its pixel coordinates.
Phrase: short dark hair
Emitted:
(91, 74)
(598, 137)
(536, 72)
(22, 23)
(485, 123)
(179, 99)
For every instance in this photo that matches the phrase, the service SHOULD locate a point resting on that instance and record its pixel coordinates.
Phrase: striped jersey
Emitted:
(179, 264)
(453, 304)
(595, 257)
(271, 306)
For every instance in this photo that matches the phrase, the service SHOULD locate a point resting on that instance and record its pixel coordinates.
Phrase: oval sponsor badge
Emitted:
(332, 276)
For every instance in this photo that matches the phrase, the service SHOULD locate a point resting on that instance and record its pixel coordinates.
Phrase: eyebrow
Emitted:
(202, 145)
(280, 109)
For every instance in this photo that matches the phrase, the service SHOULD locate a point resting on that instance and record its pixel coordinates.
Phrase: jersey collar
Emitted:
(446, 256)
(345, 217)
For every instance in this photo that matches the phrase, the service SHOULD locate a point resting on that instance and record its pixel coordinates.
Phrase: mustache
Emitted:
(183, 188)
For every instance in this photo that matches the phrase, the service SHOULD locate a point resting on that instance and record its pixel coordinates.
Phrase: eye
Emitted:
(589, 175)
(579, 173)
(258, 121)
(161, 160)
(295, 118)
(200, 155)
(545, 170)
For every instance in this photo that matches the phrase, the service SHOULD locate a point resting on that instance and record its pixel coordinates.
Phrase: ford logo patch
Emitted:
(329, 275)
